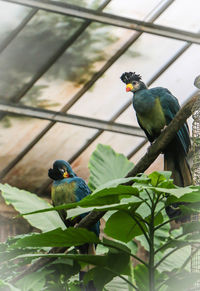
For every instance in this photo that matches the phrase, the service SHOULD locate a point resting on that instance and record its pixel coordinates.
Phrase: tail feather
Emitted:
(176, 162)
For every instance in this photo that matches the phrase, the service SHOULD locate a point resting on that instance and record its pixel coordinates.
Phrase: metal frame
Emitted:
(71, 119)
(152, 17)
(110, 19)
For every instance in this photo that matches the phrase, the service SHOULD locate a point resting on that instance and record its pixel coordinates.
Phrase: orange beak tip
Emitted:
(128, 89)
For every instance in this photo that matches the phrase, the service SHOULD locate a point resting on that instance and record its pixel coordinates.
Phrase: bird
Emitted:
(155, 108)
(67, 187)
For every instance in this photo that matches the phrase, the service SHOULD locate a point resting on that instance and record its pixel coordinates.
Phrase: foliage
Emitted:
(24, 201)
(134, 213)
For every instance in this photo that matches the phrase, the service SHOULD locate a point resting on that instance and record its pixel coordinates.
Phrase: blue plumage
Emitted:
(68, 188)
(155, 108)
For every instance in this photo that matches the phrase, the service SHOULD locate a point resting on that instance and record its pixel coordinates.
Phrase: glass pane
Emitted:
(73, 69)
(137, 9)
(92, 4)
(108, 94)
(182, 14)
(61, 142)
(121, 143)
(11, 15)
(16, 133)
(179, 77)
(32, 48)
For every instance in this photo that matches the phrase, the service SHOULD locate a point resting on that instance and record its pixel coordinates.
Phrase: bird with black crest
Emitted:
(155, 108)
(68, 188)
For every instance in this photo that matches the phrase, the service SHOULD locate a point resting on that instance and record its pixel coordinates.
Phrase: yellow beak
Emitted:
(129, 87)
(65, 175)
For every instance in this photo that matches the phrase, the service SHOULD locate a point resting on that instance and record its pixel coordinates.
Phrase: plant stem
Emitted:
(131, 277)
(151, 249)
(141, 227)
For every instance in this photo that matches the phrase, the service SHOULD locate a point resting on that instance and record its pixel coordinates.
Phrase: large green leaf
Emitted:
(178, 192)
(117, 284)
(113, 183)
(59, 238)
(159, 177)
(141, 276)
(122, 226)
(105, 165)
(33, 281)
(116, 245)
(97, 260)
(7, 286)
(24, 201)
(116, 264)
(175, 260)
(103, 197)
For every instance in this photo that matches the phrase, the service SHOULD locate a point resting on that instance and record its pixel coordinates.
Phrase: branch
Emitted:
(154, 150)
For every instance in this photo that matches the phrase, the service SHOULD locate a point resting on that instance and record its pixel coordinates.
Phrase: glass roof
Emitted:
(51, 61)
(182, 14)
(11, 15)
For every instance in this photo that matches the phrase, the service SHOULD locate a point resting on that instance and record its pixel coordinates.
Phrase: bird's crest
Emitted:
(130, 77)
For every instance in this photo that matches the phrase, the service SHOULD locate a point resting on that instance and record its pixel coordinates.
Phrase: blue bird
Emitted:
(155, 108)
(68, 188)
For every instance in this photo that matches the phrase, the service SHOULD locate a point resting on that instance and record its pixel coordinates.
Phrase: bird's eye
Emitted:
(134, 82)
(62, 170)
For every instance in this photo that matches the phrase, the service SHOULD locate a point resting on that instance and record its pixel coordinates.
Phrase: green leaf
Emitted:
(100, 276)
(113, 183)
(24, 201)
(141, 276)
(117, 284)
(116, 245)
(6, 284)
(116, 264)
(121, 226)
(177, 192)
(106, 165)
(175, 260)
(159, 177)
(103, 197)
(88, 259)
(192, 197)
(33, 281)
(67, 267)
(59, 238)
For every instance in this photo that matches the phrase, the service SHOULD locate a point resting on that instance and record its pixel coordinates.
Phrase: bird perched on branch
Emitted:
(68, 188)
(155, 108)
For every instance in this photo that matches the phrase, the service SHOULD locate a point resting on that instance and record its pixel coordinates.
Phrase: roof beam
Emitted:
(71, 119)
(111, 19)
